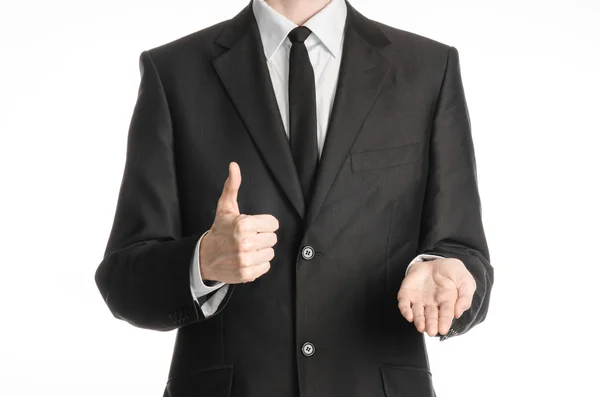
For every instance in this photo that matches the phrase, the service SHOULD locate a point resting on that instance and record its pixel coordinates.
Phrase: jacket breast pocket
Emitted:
(386, 157)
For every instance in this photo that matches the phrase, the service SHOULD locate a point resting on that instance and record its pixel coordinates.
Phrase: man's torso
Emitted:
(362, 222)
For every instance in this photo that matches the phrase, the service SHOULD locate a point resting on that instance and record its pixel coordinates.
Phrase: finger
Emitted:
(262, 223)
(419, 316)
(228, 201)
(465, 297)
(261, 268)
(251, 273)
(256, 241)
(404, 306)
(253, 258)
(445, 316)
(431, 319)
(263, 240)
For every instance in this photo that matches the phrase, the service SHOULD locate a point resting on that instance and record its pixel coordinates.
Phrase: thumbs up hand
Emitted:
(238, 248)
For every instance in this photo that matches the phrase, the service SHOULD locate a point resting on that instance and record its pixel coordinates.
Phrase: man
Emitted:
(300, 202)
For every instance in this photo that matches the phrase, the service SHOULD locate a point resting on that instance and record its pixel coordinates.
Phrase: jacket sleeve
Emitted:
(451, 222)
(144, 276)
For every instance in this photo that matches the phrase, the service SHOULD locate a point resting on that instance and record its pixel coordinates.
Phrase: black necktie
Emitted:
(303, 110)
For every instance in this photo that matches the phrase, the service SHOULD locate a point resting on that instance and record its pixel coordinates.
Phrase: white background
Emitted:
(69, 77)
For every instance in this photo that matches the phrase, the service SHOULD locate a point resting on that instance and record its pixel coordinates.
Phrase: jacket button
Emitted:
(308, 349)
(308, 252)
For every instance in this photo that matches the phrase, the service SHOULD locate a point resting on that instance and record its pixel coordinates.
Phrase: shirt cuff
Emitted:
(422, 258)
(212, 304)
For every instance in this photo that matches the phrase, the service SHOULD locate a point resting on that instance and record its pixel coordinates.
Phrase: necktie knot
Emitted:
(299, 34)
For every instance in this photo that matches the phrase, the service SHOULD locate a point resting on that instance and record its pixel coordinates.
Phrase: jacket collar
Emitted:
(327, 25)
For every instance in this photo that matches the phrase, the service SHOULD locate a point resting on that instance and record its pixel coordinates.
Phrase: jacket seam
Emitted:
(439, 93)
(429, 138)
(195, 303)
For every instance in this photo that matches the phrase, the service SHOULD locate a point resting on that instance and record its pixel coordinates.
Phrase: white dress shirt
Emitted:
(324, 47)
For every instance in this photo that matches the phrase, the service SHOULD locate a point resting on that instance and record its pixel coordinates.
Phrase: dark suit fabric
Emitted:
(397, 178)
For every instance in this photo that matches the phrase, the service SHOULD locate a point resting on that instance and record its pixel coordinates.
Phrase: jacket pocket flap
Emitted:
(387, 157)
(406, 381)
(213, 381)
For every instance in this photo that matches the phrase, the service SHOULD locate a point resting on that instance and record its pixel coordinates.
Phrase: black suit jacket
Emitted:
(397, 178)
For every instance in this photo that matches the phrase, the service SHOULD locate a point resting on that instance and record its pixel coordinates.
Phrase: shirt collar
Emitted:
(328, 25)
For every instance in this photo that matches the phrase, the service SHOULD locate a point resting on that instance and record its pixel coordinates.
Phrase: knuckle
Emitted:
(245, 264)
(242, 225)
(241, 259)
(243, 245)
(246, 275)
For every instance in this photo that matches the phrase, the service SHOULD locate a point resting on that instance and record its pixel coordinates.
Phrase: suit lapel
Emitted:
(244, 73)
(363, 71)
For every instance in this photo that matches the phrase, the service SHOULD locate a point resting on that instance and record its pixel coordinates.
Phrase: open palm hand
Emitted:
(435, 292)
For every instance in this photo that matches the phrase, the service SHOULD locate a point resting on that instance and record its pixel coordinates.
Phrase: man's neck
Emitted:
(298, 11)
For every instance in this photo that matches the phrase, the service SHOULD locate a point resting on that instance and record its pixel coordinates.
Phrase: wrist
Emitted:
(417, 265)
(205, 275)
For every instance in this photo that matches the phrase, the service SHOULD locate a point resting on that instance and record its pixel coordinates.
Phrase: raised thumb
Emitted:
(228, 201)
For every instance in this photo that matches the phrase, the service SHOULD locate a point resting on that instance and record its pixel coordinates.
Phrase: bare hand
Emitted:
(238, 248)
(434, 292)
